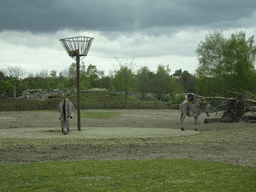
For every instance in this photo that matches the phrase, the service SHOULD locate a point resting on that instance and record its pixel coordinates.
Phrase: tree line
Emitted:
(225, 65)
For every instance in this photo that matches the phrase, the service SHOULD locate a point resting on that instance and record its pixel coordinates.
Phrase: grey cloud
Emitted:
(197, 13)
(48, 16)
(119, 16)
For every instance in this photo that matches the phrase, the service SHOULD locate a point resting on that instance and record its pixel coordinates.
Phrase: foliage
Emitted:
(186, 80)
(229, 63)
(176, 87)
(127, 175)
(105, 82)
(124, 78)
(176, 100)
(143, 81)
(11, 81)
(161, 81)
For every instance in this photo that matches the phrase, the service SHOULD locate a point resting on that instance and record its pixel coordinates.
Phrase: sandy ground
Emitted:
(94, 133)
(155, 134)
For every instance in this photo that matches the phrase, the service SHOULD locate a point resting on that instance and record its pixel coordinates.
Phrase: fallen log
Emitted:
(251, 121)
(250, 108)
(249, 118)
(246, 118)
(218, 120)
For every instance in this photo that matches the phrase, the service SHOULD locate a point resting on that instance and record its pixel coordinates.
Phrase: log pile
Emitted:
(235, 109)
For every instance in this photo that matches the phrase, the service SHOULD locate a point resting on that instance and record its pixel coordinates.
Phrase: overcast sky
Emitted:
(147, 32)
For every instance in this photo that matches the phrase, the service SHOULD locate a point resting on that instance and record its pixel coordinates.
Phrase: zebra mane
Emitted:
(64, 109)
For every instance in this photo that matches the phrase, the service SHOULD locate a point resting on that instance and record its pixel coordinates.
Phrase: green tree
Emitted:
(124, 77)
(177, 72)
(105, 82)
(161, 81)
(143, 80)
(2, 76)
(94, 75)
(188, 81)
(72, 75)
(226, 64)
(52, 80)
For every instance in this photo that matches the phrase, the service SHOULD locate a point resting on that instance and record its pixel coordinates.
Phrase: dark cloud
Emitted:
(112, 15)
(196, 13)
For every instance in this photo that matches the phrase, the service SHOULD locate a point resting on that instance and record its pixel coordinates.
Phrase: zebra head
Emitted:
(65, 126)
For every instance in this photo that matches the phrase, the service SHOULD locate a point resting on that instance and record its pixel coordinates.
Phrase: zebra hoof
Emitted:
(182, 129)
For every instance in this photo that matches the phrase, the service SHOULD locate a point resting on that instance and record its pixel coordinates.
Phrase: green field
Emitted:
(98, 115)
(94, 100)
(130, 175)
(127, 175)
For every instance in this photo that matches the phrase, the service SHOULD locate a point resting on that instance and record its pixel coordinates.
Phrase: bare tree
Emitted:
(15, 71)
(43, 74)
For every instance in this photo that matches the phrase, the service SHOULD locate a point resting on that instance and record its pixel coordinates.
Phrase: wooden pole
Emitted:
(78, 92)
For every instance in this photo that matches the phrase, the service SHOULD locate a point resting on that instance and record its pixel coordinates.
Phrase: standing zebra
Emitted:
(66, 109)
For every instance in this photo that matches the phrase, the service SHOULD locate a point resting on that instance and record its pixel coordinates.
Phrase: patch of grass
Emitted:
(127, 175)
(93, 100)
(99, 114)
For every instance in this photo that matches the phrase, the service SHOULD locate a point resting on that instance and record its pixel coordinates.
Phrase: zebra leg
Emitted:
(182, 118)
(195, 119)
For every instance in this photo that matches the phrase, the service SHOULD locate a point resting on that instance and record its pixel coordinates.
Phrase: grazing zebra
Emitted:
(66, 109)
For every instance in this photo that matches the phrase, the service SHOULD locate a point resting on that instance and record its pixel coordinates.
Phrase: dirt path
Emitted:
(40, 139)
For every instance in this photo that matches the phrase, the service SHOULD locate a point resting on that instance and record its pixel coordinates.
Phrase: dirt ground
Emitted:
(135, 134)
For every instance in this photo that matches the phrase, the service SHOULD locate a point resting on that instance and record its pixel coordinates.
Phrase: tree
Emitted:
(72, 75)
(2, 76)
(15, 71)
(143, 81)
(6, 87)
(43, 74)
(227, 63)
(94, 75)
(124, 77)
(177, 72)
(161, 81)
(105, 82)
(52, 80)
(188, 82)
(13, 74)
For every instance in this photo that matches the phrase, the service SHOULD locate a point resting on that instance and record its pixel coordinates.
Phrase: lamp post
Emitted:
(77, 48)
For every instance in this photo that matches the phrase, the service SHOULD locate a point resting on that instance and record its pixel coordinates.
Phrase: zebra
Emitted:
(66, 109)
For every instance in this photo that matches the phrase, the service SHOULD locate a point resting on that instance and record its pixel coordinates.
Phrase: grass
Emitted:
(127, 175)
(94, 100)
(99, 114)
